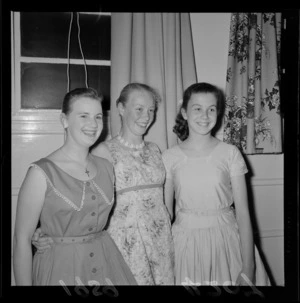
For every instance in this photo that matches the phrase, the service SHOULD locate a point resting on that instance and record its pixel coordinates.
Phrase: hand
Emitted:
(245, 278)
(41, 241)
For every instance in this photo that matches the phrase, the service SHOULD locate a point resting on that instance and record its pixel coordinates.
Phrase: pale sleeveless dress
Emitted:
(74, 215)
(205, 231)
(140, 224)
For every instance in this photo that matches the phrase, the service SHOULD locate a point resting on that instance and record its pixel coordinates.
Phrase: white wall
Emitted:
(211, 36)
(211, 40)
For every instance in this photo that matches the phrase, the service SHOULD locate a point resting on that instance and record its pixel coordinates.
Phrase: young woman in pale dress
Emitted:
(213, 246)
(71, 192)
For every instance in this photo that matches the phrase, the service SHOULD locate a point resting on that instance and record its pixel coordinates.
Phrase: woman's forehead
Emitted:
(203, 99)
(86, 102)
(140, 97)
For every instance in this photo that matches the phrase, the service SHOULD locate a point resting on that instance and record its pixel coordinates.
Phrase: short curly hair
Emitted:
(181, 128)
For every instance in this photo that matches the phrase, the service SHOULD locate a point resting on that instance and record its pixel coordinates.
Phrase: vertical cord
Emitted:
(78, 26)
(68, 65)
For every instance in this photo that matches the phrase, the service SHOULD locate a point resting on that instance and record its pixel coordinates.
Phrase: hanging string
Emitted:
(80, 47)
(68, 65)
(78, 26)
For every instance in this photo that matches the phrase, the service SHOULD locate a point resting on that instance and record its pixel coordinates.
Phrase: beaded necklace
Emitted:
(130, 145)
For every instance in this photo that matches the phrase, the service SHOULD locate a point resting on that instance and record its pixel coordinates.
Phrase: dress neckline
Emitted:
(71, 175)
(199, 157)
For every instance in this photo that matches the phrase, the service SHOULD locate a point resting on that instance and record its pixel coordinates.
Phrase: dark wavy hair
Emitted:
(77, 93)
(181, 128)
(129, 88)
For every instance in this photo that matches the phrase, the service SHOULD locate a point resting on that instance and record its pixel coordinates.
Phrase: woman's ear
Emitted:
(121, 108)
(63, 120)
(183, 113)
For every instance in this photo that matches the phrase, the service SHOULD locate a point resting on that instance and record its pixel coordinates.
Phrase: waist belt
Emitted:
(208, 212)
(77, 239)
(138, 187)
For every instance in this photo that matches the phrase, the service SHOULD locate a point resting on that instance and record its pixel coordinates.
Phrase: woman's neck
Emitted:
(75, 153)
(200, 142)
(131, 138)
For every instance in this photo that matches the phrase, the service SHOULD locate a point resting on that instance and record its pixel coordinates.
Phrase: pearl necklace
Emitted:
(86, 170)
(130, 145)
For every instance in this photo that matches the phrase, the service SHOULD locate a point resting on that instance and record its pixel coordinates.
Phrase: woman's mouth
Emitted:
(142, 125)
(90, 133)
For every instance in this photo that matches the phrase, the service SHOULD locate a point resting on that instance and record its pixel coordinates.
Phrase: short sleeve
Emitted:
(167, 160)
(237, 165)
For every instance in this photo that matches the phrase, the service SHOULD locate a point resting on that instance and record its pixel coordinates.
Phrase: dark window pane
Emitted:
(45, 34)
(43, 86)
(98, 78)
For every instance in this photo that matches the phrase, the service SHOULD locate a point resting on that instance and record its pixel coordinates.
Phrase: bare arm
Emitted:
(102, 150)
(169, 196)
(245, 229)
(30, 203)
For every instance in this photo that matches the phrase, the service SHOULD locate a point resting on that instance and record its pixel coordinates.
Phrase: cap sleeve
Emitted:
(237, 165)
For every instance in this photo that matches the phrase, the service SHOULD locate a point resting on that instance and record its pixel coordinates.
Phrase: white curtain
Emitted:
(155, 49)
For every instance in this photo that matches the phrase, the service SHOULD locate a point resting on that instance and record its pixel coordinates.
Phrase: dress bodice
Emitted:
(204, 183)
(136, 167)
(73, 207)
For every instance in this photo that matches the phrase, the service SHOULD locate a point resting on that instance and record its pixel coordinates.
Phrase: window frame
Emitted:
(36, 120)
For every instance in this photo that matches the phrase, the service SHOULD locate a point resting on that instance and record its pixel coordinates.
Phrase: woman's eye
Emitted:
(82, 116)
(99, 117)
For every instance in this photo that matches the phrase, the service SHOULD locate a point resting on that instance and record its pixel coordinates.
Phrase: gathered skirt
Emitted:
(86, 261)
(208, 251)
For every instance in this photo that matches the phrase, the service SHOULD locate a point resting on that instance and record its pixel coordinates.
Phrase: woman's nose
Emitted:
(93, 122)
(204, 114)
(146, 115)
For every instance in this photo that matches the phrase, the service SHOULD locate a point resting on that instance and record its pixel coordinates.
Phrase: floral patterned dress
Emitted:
(140, 224)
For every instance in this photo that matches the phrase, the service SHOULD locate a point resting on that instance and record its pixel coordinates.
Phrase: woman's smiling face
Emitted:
(138, 112)
(85, 121)
(201, 113)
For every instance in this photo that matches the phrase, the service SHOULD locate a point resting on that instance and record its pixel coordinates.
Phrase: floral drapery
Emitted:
(252, 118)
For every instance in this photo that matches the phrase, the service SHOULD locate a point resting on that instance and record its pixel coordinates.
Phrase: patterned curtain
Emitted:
(252, 116)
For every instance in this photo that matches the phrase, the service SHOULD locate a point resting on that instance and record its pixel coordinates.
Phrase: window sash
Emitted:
(19, 114)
